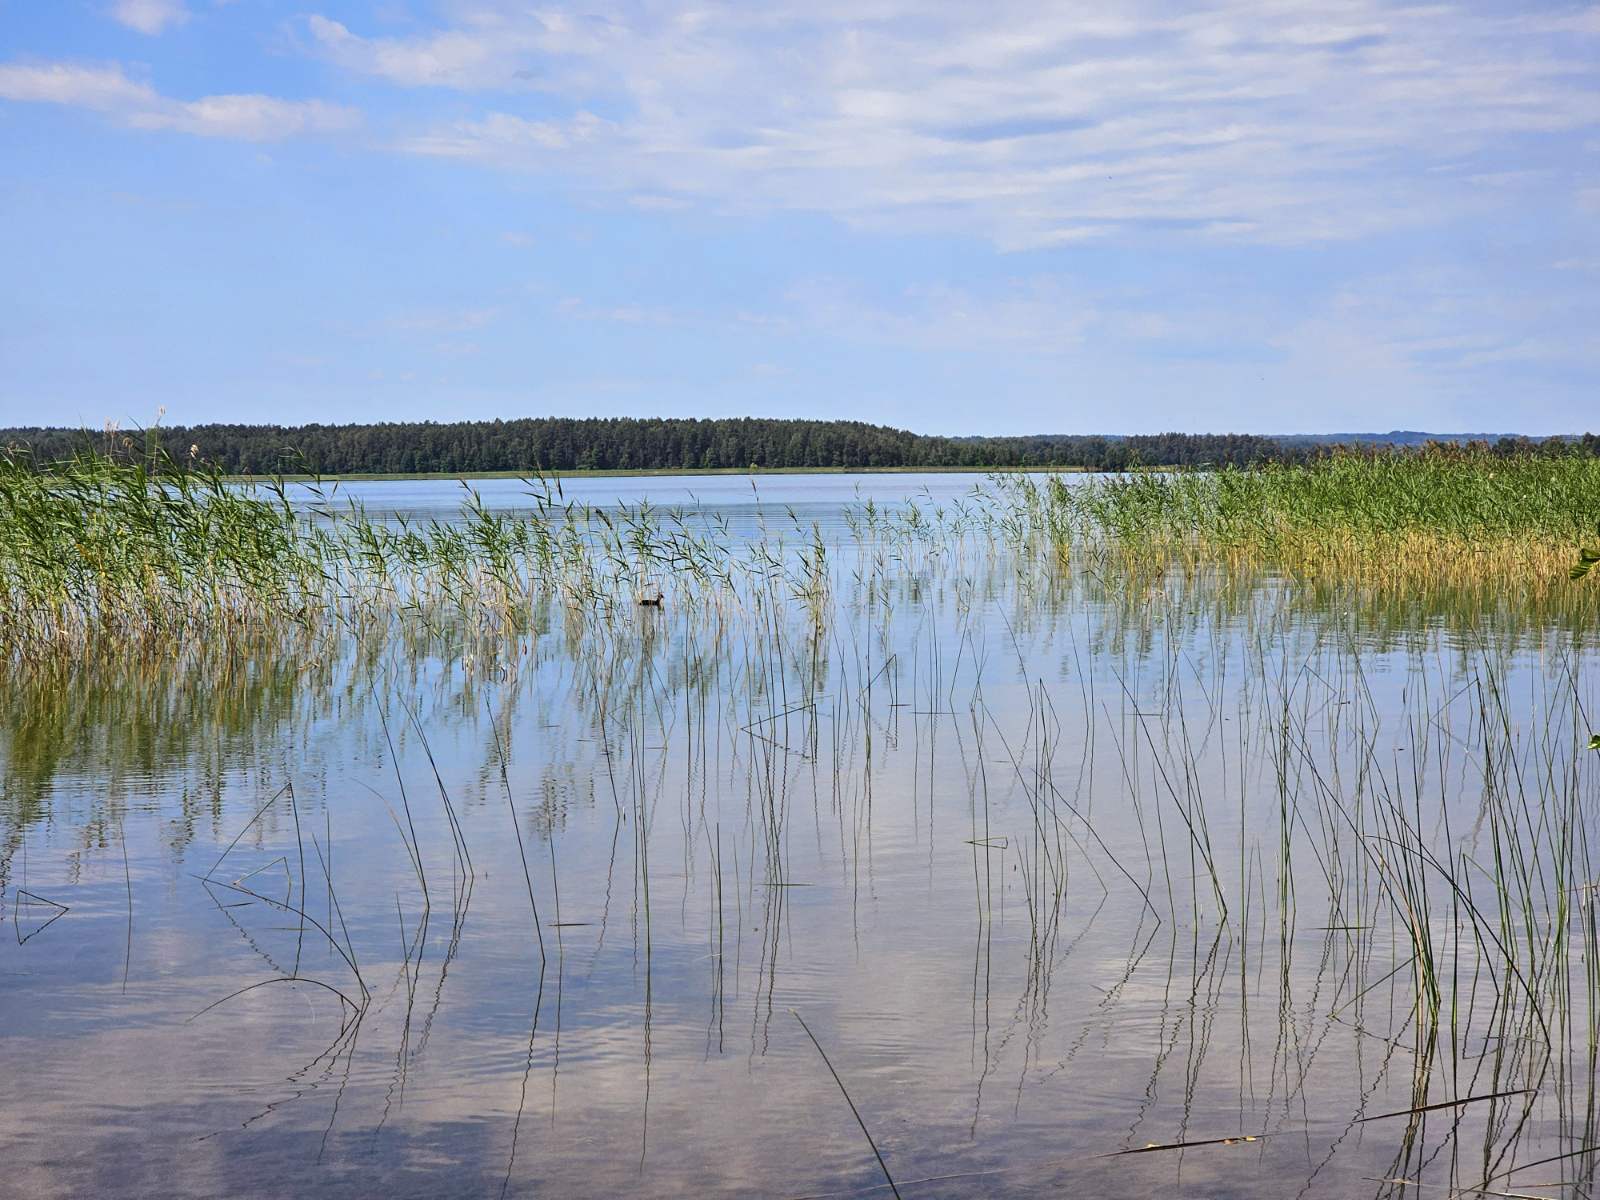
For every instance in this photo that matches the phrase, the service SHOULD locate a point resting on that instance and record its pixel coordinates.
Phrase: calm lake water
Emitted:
(746, 504)
(1053, 860)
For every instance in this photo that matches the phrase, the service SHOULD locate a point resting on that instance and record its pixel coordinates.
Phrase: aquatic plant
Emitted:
(1444, 513)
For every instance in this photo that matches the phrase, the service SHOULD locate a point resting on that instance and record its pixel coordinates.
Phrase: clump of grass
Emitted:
(1441, 513)
(115, 548)
(94, 546)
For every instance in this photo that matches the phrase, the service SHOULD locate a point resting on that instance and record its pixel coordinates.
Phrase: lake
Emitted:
(920, 854)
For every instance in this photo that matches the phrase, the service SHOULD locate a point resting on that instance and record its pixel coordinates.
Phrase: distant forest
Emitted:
(627, 443)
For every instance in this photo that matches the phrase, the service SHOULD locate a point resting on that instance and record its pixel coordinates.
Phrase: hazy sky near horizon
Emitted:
(1276, 216)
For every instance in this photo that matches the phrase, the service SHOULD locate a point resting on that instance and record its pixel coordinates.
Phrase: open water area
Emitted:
(1057, 876)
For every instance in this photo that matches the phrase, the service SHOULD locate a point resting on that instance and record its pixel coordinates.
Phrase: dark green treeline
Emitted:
(628, 443)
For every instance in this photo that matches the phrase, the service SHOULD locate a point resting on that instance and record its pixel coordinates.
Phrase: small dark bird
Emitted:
(653, 601)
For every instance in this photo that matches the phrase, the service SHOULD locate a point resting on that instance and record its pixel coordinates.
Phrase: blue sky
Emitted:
(1277, 216)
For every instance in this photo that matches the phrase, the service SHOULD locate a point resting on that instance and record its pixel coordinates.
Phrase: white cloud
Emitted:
(103, 89)
(500, 135)
(1029, 124)
(107, 89)
(149, 16)
(248, 117)
(490, 46)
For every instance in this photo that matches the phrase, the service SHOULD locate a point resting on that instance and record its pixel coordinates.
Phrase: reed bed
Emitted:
(103, 549)
(1395, 520)
(130, 550)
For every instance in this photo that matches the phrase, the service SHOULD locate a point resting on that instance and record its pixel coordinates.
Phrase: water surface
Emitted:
(1054, 861)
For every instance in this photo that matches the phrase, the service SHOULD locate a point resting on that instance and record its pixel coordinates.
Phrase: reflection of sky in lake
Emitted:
(930, 829)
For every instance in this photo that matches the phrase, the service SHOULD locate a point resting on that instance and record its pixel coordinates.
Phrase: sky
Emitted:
(1272, 216)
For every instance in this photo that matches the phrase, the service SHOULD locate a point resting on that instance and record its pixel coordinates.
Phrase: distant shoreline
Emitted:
(649, 472)
(646, 447)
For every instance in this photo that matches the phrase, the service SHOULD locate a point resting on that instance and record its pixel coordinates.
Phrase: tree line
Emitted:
(631, 443)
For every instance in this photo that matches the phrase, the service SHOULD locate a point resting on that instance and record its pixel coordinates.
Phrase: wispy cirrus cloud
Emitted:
(492, 47)
(149, 16)
(107, 89)
(1027, 124)
(500, 136)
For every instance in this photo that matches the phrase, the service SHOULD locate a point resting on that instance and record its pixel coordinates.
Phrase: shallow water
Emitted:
(746, 506)
(1054, 862)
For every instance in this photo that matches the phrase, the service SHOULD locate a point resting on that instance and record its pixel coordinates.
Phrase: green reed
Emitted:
(107, 547)
(97, 546)
(115, 550)
(1455, 493)
(1444, 512)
